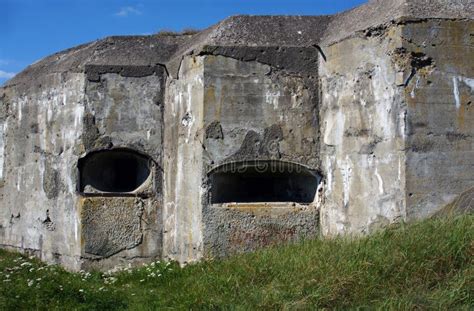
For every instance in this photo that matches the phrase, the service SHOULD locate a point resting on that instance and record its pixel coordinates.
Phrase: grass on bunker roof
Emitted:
(426, 265)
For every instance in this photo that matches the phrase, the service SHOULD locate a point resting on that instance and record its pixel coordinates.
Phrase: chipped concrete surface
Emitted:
(376, 101)
(363, 135)
(236, 228)
(440, 119)
(182, 164)
(39, 170)
(111, 225)
(263, 116)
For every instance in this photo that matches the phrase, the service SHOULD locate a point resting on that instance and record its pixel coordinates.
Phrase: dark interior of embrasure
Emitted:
(263, 183)
(113, 171)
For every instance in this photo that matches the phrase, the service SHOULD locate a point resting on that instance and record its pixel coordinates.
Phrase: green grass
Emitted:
(427, 265)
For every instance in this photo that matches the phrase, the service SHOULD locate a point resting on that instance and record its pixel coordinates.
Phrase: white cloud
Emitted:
(6, 75)
(4, 62)
(128, 10)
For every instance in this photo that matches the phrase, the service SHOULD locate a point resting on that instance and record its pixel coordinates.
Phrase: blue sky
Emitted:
(33, 29)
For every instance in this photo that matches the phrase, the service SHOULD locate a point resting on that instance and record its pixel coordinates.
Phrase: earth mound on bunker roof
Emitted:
(241, 30)
(380, 12)
(117, 50)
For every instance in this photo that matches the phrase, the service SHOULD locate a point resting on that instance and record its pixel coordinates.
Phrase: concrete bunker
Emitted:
(384, 117)
(263, 181)
(113, 171)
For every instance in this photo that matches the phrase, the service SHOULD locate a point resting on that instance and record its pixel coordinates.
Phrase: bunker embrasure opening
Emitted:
(113, 171)
(263, 181)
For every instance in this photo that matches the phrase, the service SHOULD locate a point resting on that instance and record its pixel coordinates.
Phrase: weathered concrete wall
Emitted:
(253, 112)
(42, 132)
(182, 163)
(223, 110)
(376, 101)
(262, 114)
(363, 134)
(119, 231)
(123, 109)
(398, 126)
(232, 228)
(440, 97)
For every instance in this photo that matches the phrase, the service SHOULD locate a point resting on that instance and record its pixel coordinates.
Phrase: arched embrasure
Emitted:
(263, 181)
(113, 171)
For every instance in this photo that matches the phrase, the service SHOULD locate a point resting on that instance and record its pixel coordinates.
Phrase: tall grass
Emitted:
(426, 265)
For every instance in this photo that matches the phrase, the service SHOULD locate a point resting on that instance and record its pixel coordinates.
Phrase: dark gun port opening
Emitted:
(113, 171)
(263, 181)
